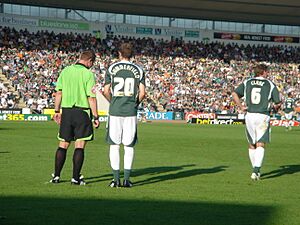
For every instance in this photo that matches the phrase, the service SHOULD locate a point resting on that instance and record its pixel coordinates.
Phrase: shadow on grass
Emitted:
(97, 179)
(49, 211)
(4, 152)
(139, 172)
(178, 175)
(159, 170)
(283, 170)
(160, 174)
(6, 128)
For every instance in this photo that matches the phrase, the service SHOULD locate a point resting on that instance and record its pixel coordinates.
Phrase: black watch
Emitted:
(95, 117)
(57, 111)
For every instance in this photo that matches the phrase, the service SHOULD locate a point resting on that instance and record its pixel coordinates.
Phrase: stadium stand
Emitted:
(181, 76)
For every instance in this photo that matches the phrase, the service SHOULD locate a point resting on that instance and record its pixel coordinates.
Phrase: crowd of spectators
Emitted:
(7, 98)
(180, 76)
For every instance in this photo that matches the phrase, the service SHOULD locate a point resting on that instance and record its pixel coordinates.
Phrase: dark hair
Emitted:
(126, 50)
(88, 55)
(260, 69)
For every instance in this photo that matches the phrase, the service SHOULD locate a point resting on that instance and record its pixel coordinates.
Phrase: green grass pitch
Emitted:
(184, 174)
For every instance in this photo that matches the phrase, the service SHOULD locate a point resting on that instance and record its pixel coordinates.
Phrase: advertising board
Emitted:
(25, 117)
(256, 37)
(283, 123)
(178, 115)
(190, 115)
(157, 115)
(203, 121)
(10, 111)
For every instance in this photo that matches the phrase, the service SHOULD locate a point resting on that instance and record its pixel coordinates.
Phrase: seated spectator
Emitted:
(180, 75)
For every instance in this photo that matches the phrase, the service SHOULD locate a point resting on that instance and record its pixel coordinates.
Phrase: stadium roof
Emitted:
(286, 12)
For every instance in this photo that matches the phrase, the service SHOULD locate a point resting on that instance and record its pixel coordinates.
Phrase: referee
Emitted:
(79, 112)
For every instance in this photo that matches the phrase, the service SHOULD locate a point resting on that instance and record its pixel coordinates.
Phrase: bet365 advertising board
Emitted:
(25, 117)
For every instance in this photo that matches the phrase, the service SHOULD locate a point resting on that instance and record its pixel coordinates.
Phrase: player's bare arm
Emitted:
(107, 92)
(237, 101)
(142, 92)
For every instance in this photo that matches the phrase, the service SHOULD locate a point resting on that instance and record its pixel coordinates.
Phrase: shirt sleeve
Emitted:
(240, 90)
(90, 84)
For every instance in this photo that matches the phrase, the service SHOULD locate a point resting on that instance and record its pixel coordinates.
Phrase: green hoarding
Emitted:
(192, 33)
(144, 30)
(59, 24)
(178, 115)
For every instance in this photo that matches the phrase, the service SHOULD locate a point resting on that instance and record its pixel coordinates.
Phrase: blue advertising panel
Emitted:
(159, 115)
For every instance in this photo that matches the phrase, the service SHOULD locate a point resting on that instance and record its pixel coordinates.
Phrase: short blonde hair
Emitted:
(88, 55)
(126, 50)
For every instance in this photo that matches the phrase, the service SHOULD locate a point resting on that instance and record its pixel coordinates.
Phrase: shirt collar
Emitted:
(82, 65)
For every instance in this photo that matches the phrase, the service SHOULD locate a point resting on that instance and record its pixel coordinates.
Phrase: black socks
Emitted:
(60, 158)
(78, 158)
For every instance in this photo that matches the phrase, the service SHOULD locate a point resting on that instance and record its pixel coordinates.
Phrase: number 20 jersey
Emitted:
(125, 78)
(258, 93)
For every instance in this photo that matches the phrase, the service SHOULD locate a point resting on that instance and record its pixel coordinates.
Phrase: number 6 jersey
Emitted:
(258, 93)
(125, 78)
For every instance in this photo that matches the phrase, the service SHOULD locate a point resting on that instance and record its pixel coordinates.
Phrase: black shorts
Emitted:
(76, 125)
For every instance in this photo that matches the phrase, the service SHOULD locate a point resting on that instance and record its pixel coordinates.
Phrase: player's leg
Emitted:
(263, 136)
(285, 117)
(83, 132)
(289, 125)
(60, 158)
(129, 139)
(114, 158)
(128, 160)
(252, 157)
(259, 156)
(114, 137)
(289, 117)
(251, 151)
(78, 159)
(65, 136)
(251, 136)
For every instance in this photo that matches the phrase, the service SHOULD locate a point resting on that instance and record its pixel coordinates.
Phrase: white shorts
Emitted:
(288, 116)
(257, 128)
(122, 130)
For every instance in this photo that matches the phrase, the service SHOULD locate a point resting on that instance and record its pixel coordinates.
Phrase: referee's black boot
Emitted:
(78, 182)
(55, 179)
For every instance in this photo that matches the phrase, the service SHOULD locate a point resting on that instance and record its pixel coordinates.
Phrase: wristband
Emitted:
(57, 111)
(95, 118)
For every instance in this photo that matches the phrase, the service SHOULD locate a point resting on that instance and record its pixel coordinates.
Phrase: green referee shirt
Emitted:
(76, 83)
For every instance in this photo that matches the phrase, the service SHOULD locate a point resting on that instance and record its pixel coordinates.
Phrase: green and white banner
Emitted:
(21, 21)
(144, 30)
(147, 30)
(59, 24)
(192, 33)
